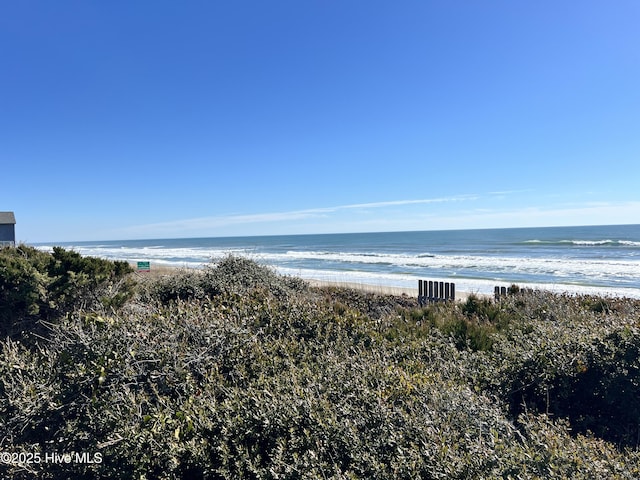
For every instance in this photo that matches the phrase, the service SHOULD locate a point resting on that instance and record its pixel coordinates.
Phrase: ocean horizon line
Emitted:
(373, 232)
(575, 257)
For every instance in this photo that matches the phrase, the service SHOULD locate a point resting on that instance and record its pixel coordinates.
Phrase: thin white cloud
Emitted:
(213, 222)
(589, 213)
(360, 217)
(394, 203)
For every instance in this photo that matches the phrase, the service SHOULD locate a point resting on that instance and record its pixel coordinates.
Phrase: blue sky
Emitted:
(153, 119)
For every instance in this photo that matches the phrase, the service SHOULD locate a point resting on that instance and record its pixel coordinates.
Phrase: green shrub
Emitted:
(84, 282)
(483, 309)
(180, 285)
(36, 286)
(232, 275)
(471, 325)
(564, 359)
(263, 377)
(23, 287)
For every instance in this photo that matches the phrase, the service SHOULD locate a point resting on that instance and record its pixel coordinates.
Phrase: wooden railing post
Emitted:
(431, 292)
(499, 293)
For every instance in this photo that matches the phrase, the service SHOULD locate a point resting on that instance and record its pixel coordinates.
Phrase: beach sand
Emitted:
(159, 271)
(381, 289)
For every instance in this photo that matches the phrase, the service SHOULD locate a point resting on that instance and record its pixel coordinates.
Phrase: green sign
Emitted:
(144, 267)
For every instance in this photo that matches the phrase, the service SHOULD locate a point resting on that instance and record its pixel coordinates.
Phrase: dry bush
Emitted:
(253, 375)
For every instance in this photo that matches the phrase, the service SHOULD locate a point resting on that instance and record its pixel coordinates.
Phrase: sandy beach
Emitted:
(381, 289)
(598, 260)
(370, 288)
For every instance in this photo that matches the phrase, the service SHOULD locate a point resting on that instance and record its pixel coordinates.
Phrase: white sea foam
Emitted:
(549, 266)
(564, 267)
(584, 243)
(578, 267)
(155, 253)
(478, 286)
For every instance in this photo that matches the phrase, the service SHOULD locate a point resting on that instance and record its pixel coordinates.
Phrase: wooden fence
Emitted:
(431, 292)
(501, 292)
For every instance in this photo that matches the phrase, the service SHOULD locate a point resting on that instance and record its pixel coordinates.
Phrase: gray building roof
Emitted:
(7, 218)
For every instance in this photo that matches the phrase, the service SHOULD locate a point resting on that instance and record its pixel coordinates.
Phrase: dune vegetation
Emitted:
(237, 372)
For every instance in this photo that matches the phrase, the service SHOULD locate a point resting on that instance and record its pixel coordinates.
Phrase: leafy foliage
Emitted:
(236, 372)
(231, 275)
(567, 360)
(37, 286)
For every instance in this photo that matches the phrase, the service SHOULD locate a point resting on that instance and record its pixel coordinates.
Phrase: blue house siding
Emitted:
(7, 228)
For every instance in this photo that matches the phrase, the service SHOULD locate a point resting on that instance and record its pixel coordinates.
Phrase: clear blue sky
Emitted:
(153, 119)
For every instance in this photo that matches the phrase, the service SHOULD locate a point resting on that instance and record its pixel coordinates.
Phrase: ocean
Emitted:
(595, 259)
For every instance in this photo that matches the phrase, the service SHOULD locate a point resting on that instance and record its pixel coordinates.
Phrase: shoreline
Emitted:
(385, 289)
(461, 296)
(407, 291)
(595, 261)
